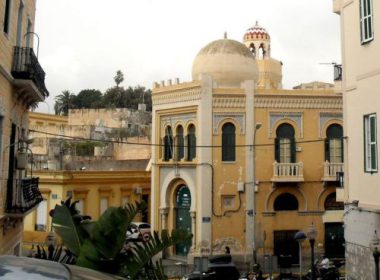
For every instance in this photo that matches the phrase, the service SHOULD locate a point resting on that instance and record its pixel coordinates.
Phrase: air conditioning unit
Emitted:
(138, 190)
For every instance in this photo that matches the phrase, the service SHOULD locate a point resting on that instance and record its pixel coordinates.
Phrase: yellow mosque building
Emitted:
(241, 162)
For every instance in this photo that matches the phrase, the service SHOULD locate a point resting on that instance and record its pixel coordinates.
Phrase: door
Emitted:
(334, 240)
(286, 247)
(183, 219)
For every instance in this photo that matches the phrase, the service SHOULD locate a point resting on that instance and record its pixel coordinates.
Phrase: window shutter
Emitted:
(293, 150)
(167, 148)
(327, 149)
(361, 20)
(373, 141)
(193, 146)
(41, 219)
(224, 147)
(186, 147)
(342, 149)
(277, 149)
(162, 148)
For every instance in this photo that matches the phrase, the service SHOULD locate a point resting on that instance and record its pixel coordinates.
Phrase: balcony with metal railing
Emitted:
(29, 76)
(330, 170)
(287, 172)
(24, 198)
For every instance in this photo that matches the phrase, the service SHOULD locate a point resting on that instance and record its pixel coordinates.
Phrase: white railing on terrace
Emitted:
(287, 172)
(330, 170)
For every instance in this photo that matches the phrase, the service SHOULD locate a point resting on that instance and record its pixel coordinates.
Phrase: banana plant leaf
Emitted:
(107, 238)
(98, 245)
(144, 252)
(65, 227)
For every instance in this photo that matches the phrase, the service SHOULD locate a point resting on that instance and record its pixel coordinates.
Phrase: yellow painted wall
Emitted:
(89, 186)
(12, 111)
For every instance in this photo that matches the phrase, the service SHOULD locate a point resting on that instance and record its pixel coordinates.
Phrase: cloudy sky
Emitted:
(84, 42)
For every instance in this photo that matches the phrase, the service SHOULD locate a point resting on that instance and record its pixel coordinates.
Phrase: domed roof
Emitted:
(228, 62)
(256, 32)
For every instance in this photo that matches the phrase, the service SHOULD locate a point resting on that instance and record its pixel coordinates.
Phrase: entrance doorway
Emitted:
(334, 240)
(183, 219)
(286, 247)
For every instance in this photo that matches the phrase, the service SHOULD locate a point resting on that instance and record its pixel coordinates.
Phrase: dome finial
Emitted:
(225, 35)
(257, 23)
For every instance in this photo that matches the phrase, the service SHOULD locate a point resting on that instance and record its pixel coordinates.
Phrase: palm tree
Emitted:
(63, 103)
(100, 245)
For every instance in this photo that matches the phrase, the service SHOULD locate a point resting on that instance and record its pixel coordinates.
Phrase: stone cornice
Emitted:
(35, 116)
(228, 102)
(90, 177)
(284, 99)
(299, 102)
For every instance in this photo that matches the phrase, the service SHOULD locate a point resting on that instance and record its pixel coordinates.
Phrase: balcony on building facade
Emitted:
(29, 77)
(287, 172)
(330, 170)
(24, 197)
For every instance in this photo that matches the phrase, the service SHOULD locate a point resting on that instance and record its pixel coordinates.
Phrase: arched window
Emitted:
(252, 49)
(168, 143)
(228, 142)
(285, 145)
(285, 202)
(262, 51)
(332, 204)
(334, 144)
(191, 143)
(180, 143)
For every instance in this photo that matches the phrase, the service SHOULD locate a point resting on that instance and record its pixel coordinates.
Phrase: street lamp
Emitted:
(311, 235)
(375, 246)
(257, 127)
(300, 236)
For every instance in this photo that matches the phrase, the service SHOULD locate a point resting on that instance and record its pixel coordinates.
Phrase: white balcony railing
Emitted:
(287, 172)
(330, 169)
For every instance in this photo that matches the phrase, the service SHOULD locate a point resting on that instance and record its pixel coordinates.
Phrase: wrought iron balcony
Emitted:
(25, 196)
(29, 76)
(330, 170)
(287, 172)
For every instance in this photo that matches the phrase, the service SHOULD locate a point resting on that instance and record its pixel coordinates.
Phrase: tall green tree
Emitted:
(88, 98)
(63, 102)
(119, 78)
(114, 97)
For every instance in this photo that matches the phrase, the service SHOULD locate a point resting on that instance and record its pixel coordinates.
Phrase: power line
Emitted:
(162, 145)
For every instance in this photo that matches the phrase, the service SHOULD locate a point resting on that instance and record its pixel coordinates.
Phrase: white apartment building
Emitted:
(360, 40)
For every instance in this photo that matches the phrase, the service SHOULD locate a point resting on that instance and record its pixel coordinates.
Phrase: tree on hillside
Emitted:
(63, 102)
(119, 78)
(113, 97)
(88, 98)
(118, 97)
(137, 95)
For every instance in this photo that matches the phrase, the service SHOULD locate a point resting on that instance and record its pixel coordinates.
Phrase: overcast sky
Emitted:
(84, 42)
